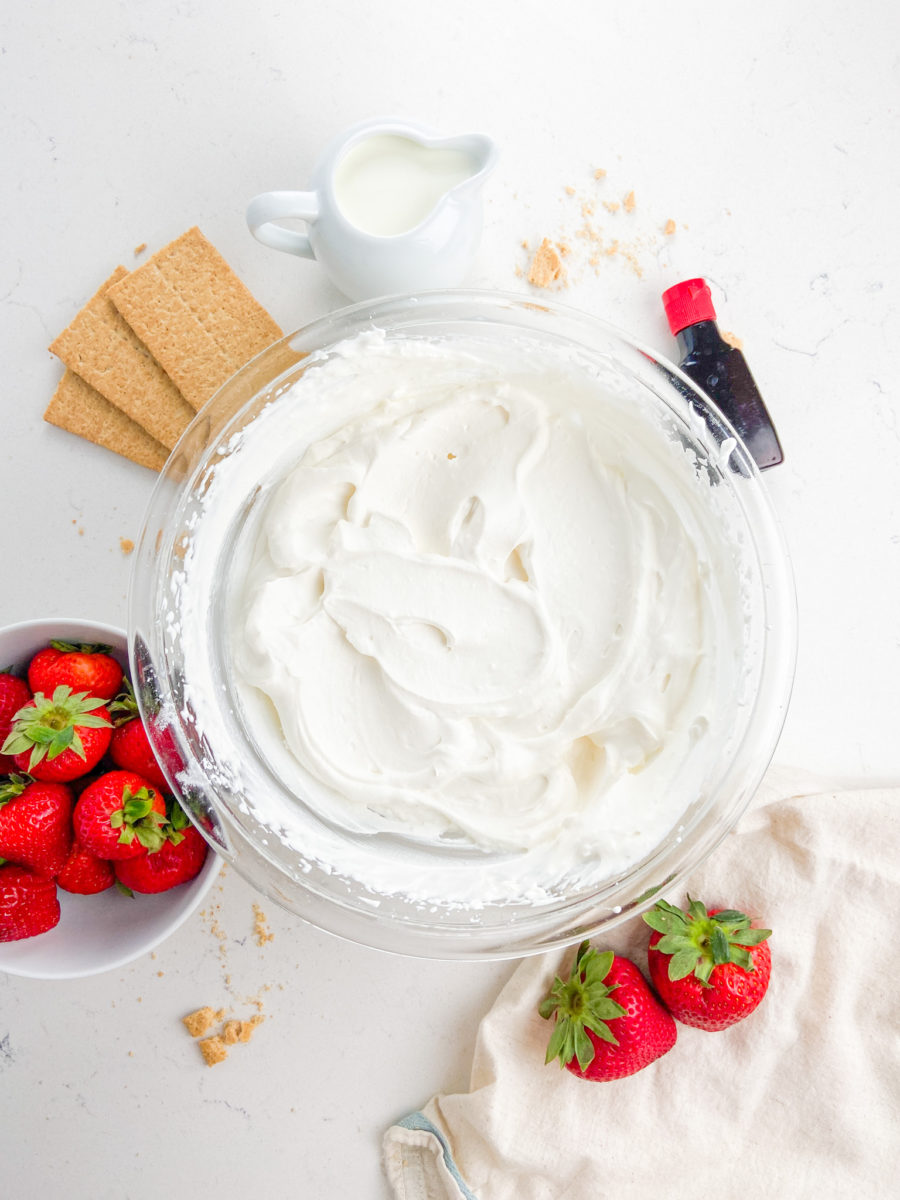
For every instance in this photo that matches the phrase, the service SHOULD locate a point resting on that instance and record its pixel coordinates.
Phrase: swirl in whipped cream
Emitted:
(481, 605)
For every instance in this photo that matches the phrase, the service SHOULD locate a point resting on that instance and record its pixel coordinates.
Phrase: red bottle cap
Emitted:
(687, 303)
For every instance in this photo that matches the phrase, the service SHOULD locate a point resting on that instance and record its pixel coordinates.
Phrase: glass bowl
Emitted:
(184, 677)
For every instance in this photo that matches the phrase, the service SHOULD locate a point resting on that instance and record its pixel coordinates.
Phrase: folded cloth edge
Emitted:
(419, 1164)
(417, 1157)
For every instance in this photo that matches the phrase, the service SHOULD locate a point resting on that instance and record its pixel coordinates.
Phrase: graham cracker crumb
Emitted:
(198, 1022)
(611, 205)
(140, 249)
(570, 191)
(213, 1050)
(600, 173)
(629, 203)
(126, 545)
(546, 267)
(160, 974)
(261, 930)
(669, 227)
(732, 339)
(240, 1031)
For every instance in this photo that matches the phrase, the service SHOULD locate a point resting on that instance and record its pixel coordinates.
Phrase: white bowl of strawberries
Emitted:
(98, 864)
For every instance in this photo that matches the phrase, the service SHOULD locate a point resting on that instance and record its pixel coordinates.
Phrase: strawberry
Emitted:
(83, 668)
(120, 815)
(28, 903)
(710, 968)
(84, 873)
(129, 747)
(600, 1038)
(177, 861)
(60, 738)
(14, 693)
(35, 824)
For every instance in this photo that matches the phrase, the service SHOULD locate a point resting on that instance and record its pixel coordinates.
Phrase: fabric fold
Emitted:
(800, 1099)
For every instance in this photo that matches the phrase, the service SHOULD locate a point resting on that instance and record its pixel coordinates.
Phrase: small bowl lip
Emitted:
(196, 890)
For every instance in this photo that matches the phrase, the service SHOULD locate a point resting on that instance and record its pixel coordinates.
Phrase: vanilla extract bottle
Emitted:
(720, 369)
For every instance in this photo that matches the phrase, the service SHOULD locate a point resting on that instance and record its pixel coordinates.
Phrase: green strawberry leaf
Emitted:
(661, 922)
(178, 818)
(753, 937)
(596, 967)
(80, 647)
(43, 735)
(719, 947)
(682, 963)
(729, 916)
(698, 942)
(584, 1048)
(581, 1003)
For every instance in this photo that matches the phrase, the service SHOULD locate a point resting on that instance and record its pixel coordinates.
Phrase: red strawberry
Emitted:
(83, 668)
(28, 904)
(84, 873)
(130, 747)
(710, 968)
(60, 738)
(14, 693)
(178, 860)
(120, 815)
(35, 824)
(600, 1038)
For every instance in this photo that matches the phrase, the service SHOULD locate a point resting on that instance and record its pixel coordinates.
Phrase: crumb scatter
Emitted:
(261, 931)
(200, 1021)
(546, 266)
(213, 1050)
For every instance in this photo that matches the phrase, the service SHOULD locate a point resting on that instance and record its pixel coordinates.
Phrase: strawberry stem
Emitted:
(583, 1001)
(48, 726)
(697, 942)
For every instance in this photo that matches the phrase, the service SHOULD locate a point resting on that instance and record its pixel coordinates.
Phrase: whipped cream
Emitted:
(477, 603)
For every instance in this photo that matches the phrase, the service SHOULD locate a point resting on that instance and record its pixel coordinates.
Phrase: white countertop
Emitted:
(769, 134)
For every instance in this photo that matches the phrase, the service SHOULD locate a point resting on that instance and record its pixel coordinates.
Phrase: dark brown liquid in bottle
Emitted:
(722, 373)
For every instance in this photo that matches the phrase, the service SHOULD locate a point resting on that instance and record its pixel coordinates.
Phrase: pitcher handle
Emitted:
(263, 211)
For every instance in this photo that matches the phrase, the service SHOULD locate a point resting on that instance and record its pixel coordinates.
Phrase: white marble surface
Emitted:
(768, 133)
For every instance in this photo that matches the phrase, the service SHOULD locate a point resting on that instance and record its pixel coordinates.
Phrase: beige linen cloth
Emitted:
(800, 1100)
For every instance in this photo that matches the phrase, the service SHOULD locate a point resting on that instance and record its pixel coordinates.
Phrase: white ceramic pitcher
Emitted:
(391, 207)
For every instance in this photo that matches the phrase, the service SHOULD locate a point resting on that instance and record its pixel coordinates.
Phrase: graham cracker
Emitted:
(101, 348)
(194, 315)
(79, 408)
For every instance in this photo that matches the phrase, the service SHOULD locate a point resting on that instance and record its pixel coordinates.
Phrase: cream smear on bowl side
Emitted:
(474, 605)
